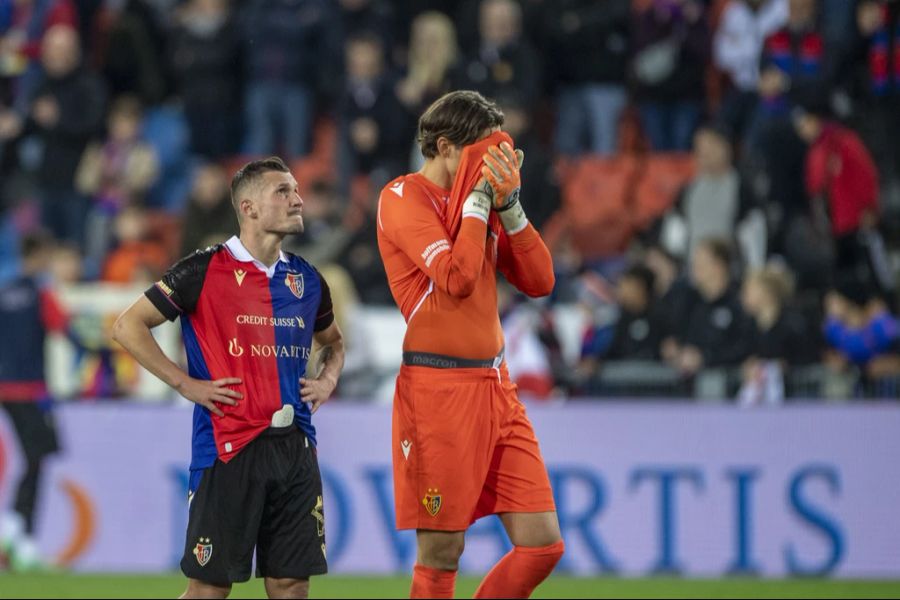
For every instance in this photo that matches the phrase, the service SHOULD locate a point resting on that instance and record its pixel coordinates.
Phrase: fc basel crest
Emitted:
(432, 502)
(203, 551)
(294, 281)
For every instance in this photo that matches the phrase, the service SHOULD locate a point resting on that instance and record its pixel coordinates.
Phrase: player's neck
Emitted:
(435, 171)
(264, 247)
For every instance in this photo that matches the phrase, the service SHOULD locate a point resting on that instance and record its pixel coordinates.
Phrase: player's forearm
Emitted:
(457, 271)
(529, 264)
(332, 357)
(136, 338)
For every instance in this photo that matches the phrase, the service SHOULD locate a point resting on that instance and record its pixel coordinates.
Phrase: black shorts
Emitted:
(269, 497)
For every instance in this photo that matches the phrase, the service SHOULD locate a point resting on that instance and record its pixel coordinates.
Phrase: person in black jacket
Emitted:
(779, 333)
(718, 331)
(203, 49)
(587, 45)
(638, 331)
(65, 110)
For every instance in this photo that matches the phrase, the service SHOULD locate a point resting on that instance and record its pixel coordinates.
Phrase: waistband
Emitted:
(442, 361)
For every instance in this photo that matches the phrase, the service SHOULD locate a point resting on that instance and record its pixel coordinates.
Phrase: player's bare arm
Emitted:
(132, 331)
(331, 358)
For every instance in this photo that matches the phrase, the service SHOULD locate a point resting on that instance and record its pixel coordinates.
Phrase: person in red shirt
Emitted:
(842, 182)
(463, 447)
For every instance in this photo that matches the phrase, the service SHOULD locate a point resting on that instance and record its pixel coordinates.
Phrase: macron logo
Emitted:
(397, 188)
(406, 446)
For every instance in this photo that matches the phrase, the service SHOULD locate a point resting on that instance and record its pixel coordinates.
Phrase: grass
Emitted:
(170, 586)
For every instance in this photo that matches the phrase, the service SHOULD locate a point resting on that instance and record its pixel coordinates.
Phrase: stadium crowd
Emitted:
(719, 181)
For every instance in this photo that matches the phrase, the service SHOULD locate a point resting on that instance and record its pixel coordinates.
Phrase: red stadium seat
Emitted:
(662, 177)
(595, 205)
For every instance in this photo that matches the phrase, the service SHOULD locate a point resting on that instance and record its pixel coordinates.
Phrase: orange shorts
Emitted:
(463, 449)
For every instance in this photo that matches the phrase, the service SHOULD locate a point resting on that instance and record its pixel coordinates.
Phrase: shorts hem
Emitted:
(322, 570)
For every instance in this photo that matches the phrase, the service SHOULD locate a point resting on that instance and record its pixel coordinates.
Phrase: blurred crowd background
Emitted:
(719, 181)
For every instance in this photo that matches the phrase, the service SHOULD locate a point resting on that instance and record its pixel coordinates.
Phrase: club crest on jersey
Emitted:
(203, 551)
(294, 283)
(432, 502)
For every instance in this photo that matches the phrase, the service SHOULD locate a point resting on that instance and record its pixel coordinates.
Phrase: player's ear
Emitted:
(248, 208)
(444, 147)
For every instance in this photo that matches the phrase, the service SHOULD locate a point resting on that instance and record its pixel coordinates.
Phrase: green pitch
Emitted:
(170, 586)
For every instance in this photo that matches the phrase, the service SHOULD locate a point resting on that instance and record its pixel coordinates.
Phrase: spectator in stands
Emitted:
(526, 357)
(115, 173)
(586, 42)
(638, 332)
(134, 54)
(374, 127)
(870, 73)
(22, 28)
(66, 109)
(842, 183)
(288, 47)
(671, 49)
(205, 59)
(716, 203)
(504, 60)
(136, 259)
(541, 194)
(737, 50)
(364, 17)
(861, 329)
(673, 296)
(780, 333)
(433, 55)
(718, 332)
(67, 267)
(209, 217)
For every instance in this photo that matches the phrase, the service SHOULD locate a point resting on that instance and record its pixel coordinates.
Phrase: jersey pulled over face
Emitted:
(240, 319)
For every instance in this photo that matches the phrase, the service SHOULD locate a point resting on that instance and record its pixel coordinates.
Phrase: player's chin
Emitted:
(294, 226)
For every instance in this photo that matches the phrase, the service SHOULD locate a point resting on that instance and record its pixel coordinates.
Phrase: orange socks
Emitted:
(432, 583)
(520, 571)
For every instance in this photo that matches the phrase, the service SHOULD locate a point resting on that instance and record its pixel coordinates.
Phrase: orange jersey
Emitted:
(446, 288)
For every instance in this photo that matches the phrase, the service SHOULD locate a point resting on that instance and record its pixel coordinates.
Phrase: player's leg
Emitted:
(36, 431)
(518, 489)
(442, 446)
(200, 589)
(291, 543)
(437, 561)
(287, 588)
(226, 506)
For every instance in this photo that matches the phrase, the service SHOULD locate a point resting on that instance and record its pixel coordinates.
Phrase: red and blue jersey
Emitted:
(242, 319)
(28, 311)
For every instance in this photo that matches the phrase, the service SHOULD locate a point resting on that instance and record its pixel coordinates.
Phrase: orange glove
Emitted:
(501, 171)
(502, 183)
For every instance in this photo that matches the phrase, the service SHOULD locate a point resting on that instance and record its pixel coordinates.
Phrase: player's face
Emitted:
(280, 207)
(454, 153)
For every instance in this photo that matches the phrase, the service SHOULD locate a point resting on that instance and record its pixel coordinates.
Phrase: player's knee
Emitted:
(442, 553)
(199, 589)
(287, 588)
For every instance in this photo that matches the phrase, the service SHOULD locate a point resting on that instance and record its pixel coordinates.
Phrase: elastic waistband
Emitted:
(442, 361)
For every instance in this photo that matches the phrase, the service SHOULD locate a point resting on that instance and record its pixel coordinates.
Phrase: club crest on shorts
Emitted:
(203, 551)
(294, 281)
(432, 502)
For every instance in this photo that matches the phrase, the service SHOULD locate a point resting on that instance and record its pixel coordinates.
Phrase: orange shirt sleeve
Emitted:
(412, 224)
(525, 261)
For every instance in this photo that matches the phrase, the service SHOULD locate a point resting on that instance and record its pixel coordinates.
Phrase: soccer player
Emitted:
(249, 314)
(463, 447)
(28, 311)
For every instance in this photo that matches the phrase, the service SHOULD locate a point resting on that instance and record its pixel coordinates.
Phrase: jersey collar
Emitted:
(239, 251)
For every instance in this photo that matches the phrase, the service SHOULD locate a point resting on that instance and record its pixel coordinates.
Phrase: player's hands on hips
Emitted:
(316, 391)
(501, 171)
(210, 393)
